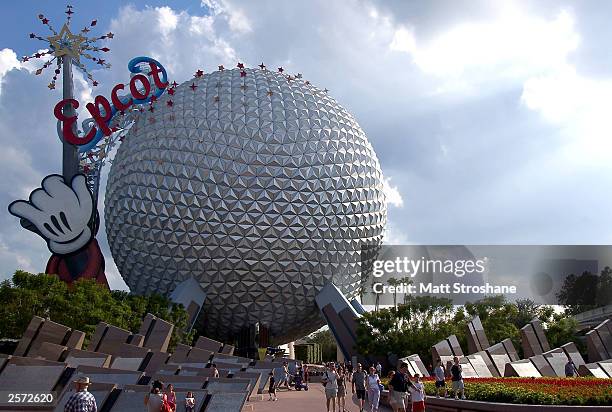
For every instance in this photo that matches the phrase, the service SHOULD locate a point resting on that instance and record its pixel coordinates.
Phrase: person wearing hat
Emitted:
(81, 400)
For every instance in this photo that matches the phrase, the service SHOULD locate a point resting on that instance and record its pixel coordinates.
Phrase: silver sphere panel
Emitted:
(261, 188)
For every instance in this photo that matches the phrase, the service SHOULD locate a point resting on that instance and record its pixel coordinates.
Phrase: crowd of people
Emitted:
(164, 400)
(366, 386)
(406, 392)
(297, 380)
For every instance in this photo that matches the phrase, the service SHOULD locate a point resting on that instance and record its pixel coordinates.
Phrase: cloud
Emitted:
(233, 14)
(394, 197)
(394, 235)
(510, 46)
(8, 61)
(580, 106)
(182, 42)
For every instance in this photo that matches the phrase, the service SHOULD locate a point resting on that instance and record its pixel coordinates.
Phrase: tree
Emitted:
(410, 328)
(327, 342)
(586, 291)
(561, 329)
(527, 309)
(80, 306)
(395, 283)
(578, 292)
(498, 318)
(408, 281)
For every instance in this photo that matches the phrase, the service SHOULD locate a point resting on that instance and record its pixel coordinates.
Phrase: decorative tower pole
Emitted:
(67, 216)
(66, 50)
(70, 152)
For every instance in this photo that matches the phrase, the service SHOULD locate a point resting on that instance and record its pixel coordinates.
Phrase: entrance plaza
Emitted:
(304, 401)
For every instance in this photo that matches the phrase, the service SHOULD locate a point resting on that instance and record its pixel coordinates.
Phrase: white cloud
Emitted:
(238, 21)
(167, 19)
(580, 106)
(181, 42)
(392, 193)
(234, 15)
(403, 41)
(8, 61)
(512, 46)
(394, 236)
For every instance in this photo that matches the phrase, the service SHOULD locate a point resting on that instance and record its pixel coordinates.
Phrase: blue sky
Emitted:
(490, 119)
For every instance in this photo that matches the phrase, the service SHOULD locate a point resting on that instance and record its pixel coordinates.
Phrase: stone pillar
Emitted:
(339, 355)
(291, 348)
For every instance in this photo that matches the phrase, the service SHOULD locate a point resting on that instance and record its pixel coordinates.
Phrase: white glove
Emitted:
(61, 213)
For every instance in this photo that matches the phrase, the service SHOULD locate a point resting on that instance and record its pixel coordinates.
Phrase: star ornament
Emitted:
(66, 43)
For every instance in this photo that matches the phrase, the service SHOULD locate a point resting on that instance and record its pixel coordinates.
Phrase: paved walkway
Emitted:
(303, 401)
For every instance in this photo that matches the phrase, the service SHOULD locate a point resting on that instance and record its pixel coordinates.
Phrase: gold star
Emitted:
(51, 86)
(66, 43)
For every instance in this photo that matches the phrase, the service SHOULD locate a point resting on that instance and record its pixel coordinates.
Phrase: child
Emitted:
(189, 402)
(417, 394)
(272, 388)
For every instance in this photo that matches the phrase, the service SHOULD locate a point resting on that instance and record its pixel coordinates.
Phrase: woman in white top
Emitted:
(330, 380)
(190, 402)
(372, 382)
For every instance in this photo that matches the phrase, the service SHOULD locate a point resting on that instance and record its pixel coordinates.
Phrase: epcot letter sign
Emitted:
(64, 212)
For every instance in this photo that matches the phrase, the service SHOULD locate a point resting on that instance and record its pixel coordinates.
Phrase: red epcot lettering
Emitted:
(145, 83)
(101, 119)
(69, 121)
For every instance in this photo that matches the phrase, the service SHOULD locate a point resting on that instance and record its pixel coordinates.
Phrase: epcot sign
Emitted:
(101, 109)
(63, 211)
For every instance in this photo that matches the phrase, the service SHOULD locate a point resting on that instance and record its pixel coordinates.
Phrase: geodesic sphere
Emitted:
(262, 188)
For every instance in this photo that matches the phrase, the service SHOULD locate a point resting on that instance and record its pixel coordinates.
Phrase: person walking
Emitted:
(358, 385)
(154, 400)
(440, 376)
(81, 400)
(398, 388)
(190, 402)
(171, 397)
(373, 385)
(457, 378)
(570, 369)
(272, 388)
(286, 375)
(417, 394)
(341, 389)
(330, 381)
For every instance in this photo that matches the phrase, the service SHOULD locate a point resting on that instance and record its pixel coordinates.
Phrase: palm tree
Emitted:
(377, 301)
(394, 282)
(408, 281)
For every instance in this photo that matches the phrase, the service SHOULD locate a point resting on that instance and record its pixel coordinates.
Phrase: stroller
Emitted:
(298, 381)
